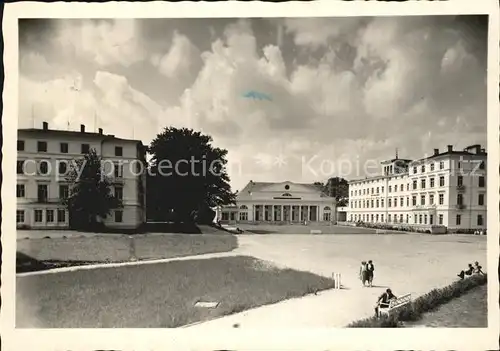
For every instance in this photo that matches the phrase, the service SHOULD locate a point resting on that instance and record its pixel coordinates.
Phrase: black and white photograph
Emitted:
(242, 173)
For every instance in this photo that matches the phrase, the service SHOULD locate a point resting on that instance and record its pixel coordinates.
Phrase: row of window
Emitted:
(49, 216)
(42, 168)
(41, 146)
(61, 216)
(43, 191)
(243, 216)
(417, 219)
(378, 203)
(441, 166)
(423, 183)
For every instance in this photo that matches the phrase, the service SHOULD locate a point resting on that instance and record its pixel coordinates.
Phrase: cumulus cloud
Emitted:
(354, 91)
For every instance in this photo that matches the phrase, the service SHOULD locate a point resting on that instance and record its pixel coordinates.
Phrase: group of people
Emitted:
(471, 269)
(366, 273)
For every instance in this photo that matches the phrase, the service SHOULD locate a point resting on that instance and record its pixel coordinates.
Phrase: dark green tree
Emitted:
(90, 199)
(187, 177)
(338, 188)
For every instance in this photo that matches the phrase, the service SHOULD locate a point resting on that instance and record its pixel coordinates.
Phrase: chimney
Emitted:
(82, 128)
(436, 152)
(45, 126)
(100, 131)
(450, 148)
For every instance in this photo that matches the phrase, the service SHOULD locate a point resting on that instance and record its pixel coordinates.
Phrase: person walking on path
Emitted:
(370, 269)
(363, 273)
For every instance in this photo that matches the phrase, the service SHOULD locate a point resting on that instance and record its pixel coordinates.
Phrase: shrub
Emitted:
(425, 303)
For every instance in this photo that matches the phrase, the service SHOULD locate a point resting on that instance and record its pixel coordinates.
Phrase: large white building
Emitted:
(283, 202)
(43, 158)
(447, 189)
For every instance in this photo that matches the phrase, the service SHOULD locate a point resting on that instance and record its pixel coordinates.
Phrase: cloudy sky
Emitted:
(340, 91)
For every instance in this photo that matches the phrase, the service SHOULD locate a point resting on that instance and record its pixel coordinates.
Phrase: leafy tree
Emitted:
(187, 176)
(338, 188)
(90, 198)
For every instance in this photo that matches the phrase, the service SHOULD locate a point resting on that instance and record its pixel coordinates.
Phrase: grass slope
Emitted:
(157, 295)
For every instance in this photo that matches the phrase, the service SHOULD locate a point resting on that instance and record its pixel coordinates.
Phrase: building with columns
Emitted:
(445, 189)
(283, 202)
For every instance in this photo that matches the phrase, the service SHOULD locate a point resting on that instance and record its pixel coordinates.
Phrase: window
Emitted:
(407, 218)
(422, 183)
(401, 202)
(118, 151)
(118, 168)
(459, 219)
(85, 148)
(389, 203)
(43, 192)
(376, 217)
(119, 193)
(225, 216)
(282, 195)
(20, 167)
(390, 188)
(378, 203)
(382, 189)
(373, 190)
(414, 185)
(441, 219)
(441, 199)
(388, 217)
(432, 166)
(119, 216)
(480, 200)
(482, 165)
(414, 200)
(402, 188)
(43, 167)
(63, 191)
(19, 216)
(441, 165)
(61, 215)
(481, 182)
(395, 188)
(20, 145)
(381, 202)
(408, 201)
(460, 180)
(408, 186)
(378, 192)
(327, 217)
(423, 168)
(20, 190)
(479, 219)
(381, 218)
(441, 181)
(422, 200)
(459, 164)
(373, 204)
(401, 218)
(41, 146)
(460, 199)
(50, 216)
(243, 215)
(425, 219)
(431, 219)
(63, 167)
(64, 148)
(420, 219)
(431, 182)
(38, 216)
(414, 170)
(431, 199)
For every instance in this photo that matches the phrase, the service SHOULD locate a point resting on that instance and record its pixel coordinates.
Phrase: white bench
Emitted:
(380, 231)
(315, 231)
(394, 305)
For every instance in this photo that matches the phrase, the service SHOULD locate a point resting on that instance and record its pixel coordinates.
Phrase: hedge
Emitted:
(422, 304)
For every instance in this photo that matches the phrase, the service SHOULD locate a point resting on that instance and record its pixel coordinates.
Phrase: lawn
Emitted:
(302, 229)
(68, 251)
(467, 311)
(156, 295)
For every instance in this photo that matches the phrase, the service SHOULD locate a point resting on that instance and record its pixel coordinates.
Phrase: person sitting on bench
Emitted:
(384, 301)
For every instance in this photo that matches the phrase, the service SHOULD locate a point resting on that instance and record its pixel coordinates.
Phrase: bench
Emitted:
(380, 231)
(315, 231)
(394, 305)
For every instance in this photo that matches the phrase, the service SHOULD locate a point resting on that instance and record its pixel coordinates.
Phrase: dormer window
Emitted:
(286, 194)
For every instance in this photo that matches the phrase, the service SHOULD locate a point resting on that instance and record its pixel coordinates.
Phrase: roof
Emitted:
(63, 133)
(454, 153)
(256, 186)
(396, 159)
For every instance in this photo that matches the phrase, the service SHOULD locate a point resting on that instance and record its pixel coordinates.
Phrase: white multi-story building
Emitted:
(446, 189)
(43, 159)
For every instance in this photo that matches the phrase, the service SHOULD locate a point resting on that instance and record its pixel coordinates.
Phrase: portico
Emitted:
(285, 202)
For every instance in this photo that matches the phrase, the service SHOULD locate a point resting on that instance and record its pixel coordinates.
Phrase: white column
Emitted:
(308, 213)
